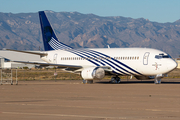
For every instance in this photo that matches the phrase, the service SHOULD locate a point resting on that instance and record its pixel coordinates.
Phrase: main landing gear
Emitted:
(115, 80)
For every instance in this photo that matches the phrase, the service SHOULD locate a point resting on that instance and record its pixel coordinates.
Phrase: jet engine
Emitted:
(92, 73)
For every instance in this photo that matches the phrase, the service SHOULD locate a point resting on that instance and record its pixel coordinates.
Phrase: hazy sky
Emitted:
(154, 10)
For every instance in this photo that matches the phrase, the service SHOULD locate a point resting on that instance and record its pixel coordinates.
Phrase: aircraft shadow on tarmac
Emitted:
(137, 82)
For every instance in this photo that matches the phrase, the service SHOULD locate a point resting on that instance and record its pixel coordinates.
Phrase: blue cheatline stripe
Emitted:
(80, 54)
(94, 52)
(58, 45)
(117, 61)
(98, 61)
(75, 51)
(110, 64)
(87, 59)
(55, 46)
(52, 45)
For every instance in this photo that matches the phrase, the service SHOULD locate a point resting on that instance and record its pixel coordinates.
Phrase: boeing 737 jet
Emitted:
(95, 63)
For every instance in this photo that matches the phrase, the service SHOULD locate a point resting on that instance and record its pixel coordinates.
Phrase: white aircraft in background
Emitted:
(95, 63)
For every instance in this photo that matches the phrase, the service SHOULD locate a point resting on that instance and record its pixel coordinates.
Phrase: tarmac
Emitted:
(72, 100)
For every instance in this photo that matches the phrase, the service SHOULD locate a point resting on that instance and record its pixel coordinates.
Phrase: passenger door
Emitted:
(145, 58)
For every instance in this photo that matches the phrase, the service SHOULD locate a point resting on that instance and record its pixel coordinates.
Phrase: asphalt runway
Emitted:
(70, 99)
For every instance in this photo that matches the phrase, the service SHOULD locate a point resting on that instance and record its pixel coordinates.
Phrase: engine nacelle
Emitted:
(144, 77)
(92, 73)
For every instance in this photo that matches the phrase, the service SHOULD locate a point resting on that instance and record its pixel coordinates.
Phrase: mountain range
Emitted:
(22, 32)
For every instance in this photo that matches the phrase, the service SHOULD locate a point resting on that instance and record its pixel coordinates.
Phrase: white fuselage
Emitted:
(123, 61)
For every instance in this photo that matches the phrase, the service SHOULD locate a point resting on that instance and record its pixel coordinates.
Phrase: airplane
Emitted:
(95, 63)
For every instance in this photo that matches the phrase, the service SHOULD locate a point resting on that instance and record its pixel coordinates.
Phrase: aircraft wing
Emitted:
(72, 68)
(50, 64)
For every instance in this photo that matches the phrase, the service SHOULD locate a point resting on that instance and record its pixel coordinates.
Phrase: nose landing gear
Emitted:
(115, 80)
(157, 81)
(158, 77)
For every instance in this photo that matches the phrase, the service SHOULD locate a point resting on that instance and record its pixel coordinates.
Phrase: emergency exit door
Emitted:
(55, 59)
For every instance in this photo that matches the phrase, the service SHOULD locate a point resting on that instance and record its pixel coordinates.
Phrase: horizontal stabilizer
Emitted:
(35, 53)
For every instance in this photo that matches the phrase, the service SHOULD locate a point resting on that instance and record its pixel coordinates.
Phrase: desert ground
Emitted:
(70, 99)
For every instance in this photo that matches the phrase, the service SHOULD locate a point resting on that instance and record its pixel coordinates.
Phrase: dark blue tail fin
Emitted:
(49, 38)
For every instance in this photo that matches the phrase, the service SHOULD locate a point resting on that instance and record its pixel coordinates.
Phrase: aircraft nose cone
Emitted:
(171, 65)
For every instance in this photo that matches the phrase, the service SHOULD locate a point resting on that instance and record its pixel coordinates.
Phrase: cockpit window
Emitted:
(160, 56)
(166, 56)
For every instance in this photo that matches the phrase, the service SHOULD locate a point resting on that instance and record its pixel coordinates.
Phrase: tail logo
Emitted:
(48, 32)
(50, 39)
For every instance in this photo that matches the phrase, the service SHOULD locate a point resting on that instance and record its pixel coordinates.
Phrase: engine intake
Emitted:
(93, 73)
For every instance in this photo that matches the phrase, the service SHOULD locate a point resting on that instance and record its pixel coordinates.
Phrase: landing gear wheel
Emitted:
(157, 81)
(115, 80)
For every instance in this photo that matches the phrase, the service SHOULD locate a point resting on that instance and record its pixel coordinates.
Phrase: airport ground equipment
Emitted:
(7, 76)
